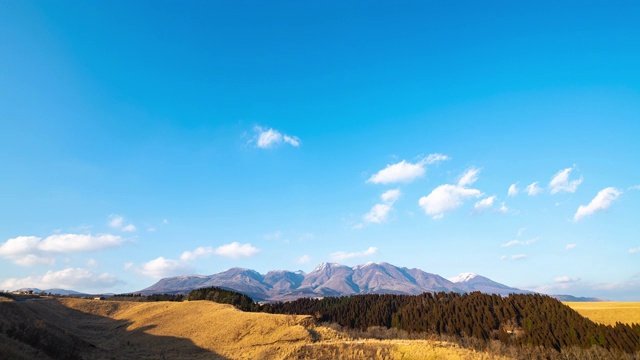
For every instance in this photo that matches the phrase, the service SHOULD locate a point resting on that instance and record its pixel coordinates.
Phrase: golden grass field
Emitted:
(207, 330)
(608, 312)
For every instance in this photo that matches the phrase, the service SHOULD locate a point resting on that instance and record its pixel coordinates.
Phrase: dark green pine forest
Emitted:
(518, 319)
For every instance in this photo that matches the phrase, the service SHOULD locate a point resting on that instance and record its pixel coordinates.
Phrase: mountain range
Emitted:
(54, 291)
(331, 279)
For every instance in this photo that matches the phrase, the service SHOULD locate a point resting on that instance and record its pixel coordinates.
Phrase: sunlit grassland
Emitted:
(608, 312)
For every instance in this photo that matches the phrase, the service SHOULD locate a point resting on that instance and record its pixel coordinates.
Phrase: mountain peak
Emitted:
(463, 277)
(369, 264)
(327, 265)
(332, 279)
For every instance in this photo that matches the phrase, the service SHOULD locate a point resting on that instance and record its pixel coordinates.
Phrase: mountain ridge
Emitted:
(331, 279)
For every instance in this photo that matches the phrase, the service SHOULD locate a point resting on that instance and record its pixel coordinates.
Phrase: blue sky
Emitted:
(150, 139)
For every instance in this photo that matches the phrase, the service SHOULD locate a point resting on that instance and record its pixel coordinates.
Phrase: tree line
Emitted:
(518, 319)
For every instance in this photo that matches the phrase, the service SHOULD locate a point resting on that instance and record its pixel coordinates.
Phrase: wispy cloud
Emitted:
(117, 222)
(560, 182)
(33, 250)
(571, 246)
(533, 189)
(485, 203)
(602, 201)
(404, 171)
(161, 267)
(520, 242)
(69, 278)
(565, 279)
(235, 250)
(267, 138)
(304, 259)
(341, 255)
(448, 197)
(514, 257)
(200, 252)
(634, 250)
(468, 177)
(513, 190)
(380, 212)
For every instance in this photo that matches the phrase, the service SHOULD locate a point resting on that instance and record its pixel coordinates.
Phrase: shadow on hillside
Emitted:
(33, 328)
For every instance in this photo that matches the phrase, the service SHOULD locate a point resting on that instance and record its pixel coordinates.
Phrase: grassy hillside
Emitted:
(609, 312)
(92, 329)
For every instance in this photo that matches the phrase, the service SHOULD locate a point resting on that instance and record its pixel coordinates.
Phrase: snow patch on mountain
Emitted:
(463, 277)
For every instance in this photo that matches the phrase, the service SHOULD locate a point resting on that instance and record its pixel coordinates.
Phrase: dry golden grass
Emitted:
(608, 312)
(228, 333)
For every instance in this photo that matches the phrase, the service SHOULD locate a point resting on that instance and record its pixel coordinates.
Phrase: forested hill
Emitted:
(523, 319)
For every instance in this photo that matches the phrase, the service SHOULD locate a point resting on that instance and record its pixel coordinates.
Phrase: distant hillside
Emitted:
(53, 291)
(330, 279)
(571, 298)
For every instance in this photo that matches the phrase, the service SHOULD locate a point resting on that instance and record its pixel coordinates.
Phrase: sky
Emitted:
(146, 139)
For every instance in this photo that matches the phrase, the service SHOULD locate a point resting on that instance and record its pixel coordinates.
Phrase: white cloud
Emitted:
(391, 196)
(398, 172)
(513, 190)
(341, 255)
(117, 222)
(519, 257)
(434, 158)
(621, 291)
(91, 263)
(71, 278)
(404, 171)
(19, 246)
(32, 260)
(33, 250)
(236, 250)
(634, 250)
(560, 182)
(276, 235)
(446, 198)
(293, 141)
(503, 208)
(504, 257)
(306, 236)
(602, 201)
(469, 177)
(571, 246)
(485, 203)
(200, 252)
(269, 138)
(521, 231)
(520, 242)
(565, 279)
(129, 228)
(79, 242)
(161, 267)
(533, 189)
(380, 212)
(303, 259)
